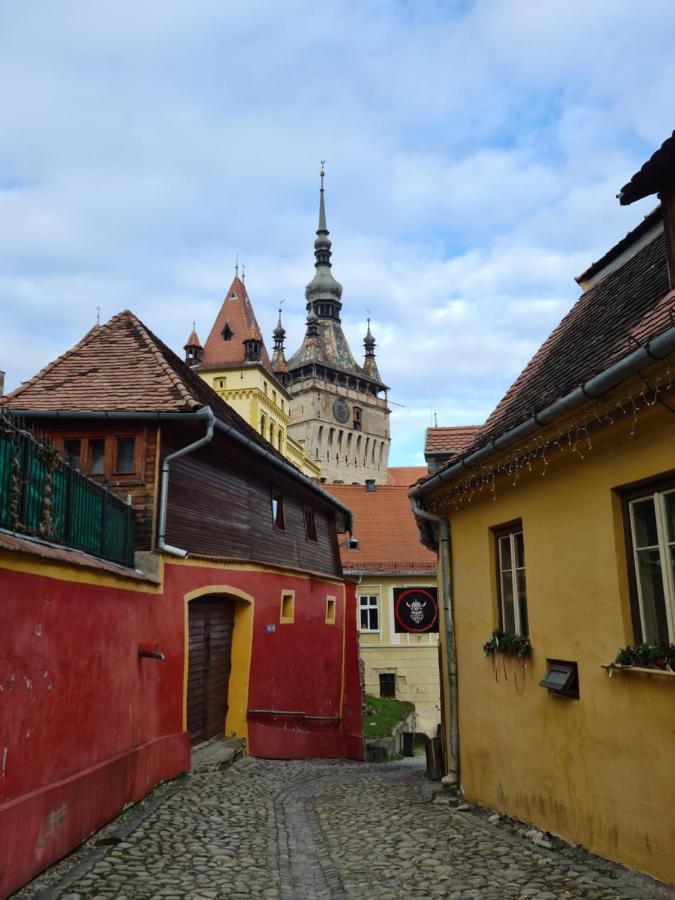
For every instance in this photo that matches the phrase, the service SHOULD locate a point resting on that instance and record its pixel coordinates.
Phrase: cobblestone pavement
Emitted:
(317, 829)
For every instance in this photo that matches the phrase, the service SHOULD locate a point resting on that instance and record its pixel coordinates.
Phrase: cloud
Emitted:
(474, 153)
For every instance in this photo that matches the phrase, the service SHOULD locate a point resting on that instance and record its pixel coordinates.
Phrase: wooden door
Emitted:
(210, 648)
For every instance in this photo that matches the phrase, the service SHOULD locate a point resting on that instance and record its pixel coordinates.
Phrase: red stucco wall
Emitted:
(87, 726)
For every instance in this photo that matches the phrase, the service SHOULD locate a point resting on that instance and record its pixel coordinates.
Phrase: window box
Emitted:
(508, 643)
(653, 659)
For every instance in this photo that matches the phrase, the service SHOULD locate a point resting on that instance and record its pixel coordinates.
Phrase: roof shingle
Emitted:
(385, 528)
(453, 439)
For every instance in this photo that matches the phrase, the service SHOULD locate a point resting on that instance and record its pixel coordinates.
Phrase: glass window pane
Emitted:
(669, 500)
(644, 523)
(364, 619)
(505, 553)
(520, 550)
(72, 452)
(363, 601)
(125, 456)
(373, 620)
(508, 613)
(522, 602)
(651, 595)
(97, 456)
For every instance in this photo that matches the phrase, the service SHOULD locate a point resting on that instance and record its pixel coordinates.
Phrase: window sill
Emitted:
(641, 670)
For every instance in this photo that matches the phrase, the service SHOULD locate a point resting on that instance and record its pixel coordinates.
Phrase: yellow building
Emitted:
(235, 363)
(399, 656)
(562, 533)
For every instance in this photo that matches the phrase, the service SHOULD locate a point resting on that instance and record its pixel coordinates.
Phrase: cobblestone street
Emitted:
(336, 829)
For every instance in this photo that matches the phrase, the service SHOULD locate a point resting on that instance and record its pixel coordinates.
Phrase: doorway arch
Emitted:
(222, 684)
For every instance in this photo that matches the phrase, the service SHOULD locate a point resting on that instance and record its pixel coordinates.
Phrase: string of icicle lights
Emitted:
(573, 437)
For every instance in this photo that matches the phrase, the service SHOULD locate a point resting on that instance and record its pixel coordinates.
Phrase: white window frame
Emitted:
(665, 547)
(372, 604)
(515, 570)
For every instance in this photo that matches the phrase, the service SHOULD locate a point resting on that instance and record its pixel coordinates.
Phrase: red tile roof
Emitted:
(404, 476)
(385, 529)
(651, 220)
(15, 544)
(631, 303)
(123, 367)
(453, 439)
(237, 312)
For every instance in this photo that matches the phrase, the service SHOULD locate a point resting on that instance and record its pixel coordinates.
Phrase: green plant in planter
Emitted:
(648, 656)
(508, 643)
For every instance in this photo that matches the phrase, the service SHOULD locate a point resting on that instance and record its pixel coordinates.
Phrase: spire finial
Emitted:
(243, 273)
(322, 173)
(236, 266)
(98, 315)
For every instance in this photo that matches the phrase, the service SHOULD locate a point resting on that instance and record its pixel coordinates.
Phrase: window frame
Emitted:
(653, 488)
(287, 607)
(499, 532)
(116, 453)
(370, 607)
(278, 518)
(387, 675)
(309, 518)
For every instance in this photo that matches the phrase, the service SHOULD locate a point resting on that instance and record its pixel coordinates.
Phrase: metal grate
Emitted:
(43, 496)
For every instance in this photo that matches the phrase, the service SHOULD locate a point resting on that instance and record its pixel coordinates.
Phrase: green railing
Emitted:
(43, 496)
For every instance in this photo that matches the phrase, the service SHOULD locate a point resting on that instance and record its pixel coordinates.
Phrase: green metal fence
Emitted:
(43, 496)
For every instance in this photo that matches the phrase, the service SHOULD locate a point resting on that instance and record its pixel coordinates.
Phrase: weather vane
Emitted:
(98, 315)
(323, 163)
(236, 266)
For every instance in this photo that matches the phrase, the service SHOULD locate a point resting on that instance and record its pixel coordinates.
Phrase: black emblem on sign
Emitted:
(340, 410)
(415, 610)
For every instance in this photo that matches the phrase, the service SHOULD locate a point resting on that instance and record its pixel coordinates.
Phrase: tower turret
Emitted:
(278, 356)
(193, 349)
(369, 363)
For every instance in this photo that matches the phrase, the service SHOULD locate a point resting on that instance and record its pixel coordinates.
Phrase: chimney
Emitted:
(370, 485)
(657, 176)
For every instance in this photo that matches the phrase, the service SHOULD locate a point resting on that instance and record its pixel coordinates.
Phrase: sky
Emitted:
(473, 152)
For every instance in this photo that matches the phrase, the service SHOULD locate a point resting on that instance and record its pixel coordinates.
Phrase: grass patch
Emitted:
(385, 715)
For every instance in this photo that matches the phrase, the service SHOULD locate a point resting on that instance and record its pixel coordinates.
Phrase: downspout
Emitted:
(207, 414)
(448, 658)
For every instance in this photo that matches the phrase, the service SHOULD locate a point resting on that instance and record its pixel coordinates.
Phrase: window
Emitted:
(263, 424)
(125, 459)
(310, 523)
(227, 332)
(277, 509)
(651, 526)
(387, 684)
(357, 419)
(510, 550)
(72, 452)
(369, 613)
(97, 456)
(330, 610)
(287, 613)
(561, 679)
(221, 383)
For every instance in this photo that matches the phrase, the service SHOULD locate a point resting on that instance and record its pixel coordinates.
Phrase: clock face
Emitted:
(340, 410)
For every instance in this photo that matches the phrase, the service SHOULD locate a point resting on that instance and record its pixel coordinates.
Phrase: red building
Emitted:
(238, 585)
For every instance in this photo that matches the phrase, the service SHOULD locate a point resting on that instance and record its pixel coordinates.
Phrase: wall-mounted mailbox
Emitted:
(150, 649)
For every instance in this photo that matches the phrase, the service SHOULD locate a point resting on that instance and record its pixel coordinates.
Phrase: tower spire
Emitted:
(323, 292)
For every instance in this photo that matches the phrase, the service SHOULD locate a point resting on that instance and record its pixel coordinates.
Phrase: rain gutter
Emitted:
(655, 349)
(448, 658)
(203, 414)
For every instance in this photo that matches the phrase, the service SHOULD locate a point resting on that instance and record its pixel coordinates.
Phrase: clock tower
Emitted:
(339, 409)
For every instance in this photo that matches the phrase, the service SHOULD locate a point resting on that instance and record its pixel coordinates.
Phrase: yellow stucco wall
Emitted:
(413, 658)
(599, 771)
(265, 405)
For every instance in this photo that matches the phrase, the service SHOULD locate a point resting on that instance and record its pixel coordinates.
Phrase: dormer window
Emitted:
(252, 351)
(227, 332)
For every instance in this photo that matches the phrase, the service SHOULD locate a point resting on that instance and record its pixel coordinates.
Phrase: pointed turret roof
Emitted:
(193, 339)
(234, 324)
(369, 363)
(278, 356)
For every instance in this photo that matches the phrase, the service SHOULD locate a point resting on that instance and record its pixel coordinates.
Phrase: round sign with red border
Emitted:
(416, 610)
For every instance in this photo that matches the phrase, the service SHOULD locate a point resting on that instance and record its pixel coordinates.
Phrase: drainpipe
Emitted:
(207, 414)
(448, 658)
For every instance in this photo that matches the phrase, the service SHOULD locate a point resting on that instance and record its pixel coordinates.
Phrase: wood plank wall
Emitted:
(220, 505)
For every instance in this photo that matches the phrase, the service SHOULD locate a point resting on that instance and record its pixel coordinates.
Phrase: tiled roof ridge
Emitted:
(151, 340)
(650, 220)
